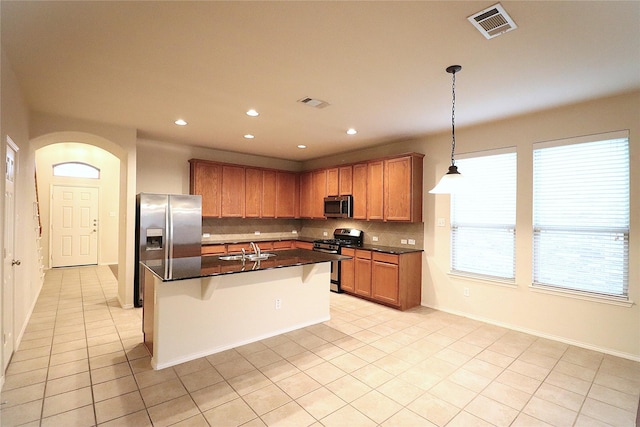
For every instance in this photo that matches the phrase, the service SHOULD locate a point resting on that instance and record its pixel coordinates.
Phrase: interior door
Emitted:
(9, 257)
(74, 226)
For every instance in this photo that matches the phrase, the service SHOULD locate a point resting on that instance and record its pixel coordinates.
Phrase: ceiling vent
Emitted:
(316, 103)
(492, 21)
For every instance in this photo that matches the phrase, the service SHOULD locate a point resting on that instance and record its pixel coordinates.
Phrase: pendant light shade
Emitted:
(453, 181)
(450, 183)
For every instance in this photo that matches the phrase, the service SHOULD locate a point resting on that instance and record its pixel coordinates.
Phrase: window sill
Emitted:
(509, 283)
(567, 293)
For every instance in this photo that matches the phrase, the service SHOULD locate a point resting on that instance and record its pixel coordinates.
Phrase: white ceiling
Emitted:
(381, 66)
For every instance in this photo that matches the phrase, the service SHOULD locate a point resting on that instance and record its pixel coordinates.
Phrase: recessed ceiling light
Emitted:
(253, 113)
(302, 146)
(351, 131)
(249, 136)
(180, 122)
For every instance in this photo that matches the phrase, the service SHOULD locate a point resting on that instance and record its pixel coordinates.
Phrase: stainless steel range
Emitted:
(342, 237)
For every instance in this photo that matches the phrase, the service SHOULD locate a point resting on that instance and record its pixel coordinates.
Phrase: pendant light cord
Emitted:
(453, 119)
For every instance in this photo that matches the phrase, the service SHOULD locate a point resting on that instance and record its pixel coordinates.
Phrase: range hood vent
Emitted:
(492, 21)
(316, 103)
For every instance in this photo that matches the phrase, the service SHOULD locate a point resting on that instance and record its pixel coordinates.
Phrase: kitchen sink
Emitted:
(230, 257)
(250, 257)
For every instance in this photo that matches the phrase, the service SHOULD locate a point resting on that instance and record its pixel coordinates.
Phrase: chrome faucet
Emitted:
(256, 248)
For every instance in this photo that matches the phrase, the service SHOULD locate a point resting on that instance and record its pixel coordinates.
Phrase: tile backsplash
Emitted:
(388, 233)
(243, 229)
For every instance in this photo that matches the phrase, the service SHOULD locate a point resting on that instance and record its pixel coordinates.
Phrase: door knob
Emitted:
(15, 262)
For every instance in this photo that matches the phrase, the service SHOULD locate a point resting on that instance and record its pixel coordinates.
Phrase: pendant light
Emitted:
(452, 181)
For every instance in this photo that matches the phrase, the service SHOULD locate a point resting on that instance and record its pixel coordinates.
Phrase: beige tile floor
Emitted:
(81, 363)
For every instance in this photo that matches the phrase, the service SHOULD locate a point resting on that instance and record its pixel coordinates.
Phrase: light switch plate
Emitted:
(257, 233)
(412, 242)
(374, 238)
(441, 222)
(403, 241)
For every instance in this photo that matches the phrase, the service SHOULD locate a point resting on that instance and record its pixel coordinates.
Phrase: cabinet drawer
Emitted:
(304, 245)
(383, 257)
(236, 248)
(282, 244)
(214, 249)
(360, 253)
(348, 252)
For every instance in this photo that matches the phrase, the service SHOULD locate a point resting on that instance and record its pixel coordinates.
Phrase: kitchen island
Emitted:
(197, 306)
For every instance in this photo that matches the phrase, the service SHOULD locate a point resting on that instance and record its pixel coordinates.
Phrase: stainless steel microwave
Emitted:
(338, 206)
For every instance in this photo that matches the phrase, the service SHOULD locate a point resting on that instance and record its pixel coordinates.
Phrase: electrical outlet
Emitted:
(374, 238)
(257, 233)
(294, 231)
(325, 234)
(412, 241)
(278, 304)
(205, 235)
(465, 291)
(441, 222)
(403, 241)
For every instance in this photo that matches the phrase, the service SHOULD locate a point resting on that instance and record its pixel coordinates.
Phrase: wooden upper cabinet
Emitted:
(233, 191)
(403, 189)
(306, 195)
(359, 191)
(333, 180)
(206, 180)
(375, 190)
(287, 195)
(253, 193)
(268, 201)
(319, 193)
(345, 180)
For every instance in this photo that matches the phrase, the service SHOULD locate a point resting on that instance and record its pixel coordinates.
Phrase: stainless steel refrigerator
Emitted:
(168, 226)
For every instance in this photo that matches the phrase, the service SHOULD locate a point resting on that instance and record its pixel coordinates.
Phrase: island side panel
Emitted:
(148, 316)
(199, 317)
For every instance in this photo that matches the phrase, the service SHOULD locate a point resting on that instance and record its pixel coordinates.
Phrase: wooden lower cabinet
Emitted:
(390, 279)
(347, 271)
(363, 273)
(385, 284)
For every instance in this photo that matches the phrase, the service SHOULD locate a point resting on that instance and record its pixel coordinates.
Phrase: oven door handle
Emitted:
(326, 251)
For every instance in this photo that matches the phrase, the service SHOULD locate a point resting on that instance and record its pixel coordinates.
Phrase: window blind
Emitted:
(483, 219)
(581, 215)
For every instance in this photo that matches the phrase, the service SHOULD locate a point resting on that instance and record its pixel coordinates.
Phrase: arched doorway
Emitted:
(123, 186)
(78, 211)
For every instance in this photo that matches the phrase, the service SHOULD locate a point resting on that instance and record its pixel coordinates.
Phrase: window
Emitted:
(76, 170)
(581, 214)
(483, 219)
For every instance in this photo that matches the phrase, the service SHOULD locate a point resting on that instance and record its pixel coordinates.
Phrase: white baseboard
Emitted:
(540, 334)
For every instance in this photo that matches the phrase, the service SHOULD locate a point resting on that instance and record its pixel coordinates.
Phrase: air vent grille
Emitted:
(492, 21)
(312, 102)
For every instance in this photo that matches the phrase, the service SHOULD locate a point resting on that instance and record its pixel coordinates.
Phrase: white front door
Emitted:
(74, 226)
(9, 255)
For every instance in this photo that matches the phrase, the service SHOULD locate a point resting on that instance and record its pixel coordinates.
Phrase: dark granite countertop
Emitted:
(205, 266)
(390, 249)
(369, 247)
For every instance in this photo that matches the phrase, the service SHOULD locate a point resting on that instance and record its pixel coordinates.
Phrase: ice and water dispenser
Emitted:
(155, 239)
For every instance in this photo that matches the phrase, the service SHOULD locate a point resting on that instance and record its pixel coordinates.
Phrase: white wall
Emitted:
(108, 187)
(595, 324)
(611, 328)
(163, 167)
(14, 122)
